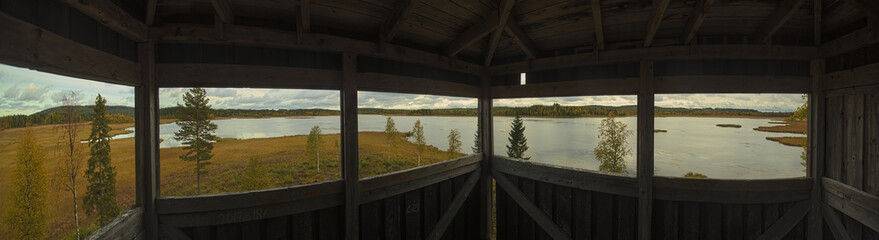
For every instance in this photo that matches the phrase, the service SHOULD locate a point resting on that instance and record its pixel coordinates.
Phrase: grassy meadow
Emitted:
(280, 162)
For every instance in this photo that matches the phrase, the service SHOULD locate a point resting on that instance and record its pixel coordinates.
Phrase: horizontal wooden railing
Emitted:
(665, 188)
(216, 209)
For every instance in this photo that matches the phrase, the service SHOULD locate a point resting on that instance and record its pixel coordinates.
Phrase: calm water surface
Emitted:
(691, 143)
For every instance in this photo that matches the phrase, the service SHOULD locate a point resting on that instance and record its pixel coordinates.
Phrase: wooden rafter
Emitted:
(871, 7)
(151, 6)
(303, 19)
(515, 31)
(473, 34)
(597, 26)
(779, 16)
(834, 223)
(392, 26)
(223, 10)
(109, 14)
(504, 9)
(697, 16)
(659, 7)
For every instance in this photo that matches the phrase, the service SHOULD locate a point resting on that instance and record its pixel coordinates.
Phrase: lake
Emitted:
(691, 144)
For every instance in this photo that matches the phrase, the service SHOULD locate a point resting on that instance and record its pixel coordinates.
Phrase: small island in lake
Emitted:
(659, 130)
(726, 125)
(789, 141)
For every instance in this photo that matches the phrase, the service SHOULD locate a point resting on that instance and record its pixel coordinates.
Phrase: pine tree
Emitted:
(71, 150)
(454, 143)
(390, 134)
(418, 133)
(100, 196)
(476, 146)
(196, 131)
(313, 145)
(612, 147)
(27, 216)
(518, 142)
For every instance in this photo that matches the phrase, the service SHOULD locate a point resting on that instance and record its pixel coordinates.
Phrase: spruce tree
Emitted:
(454, 143)
(518, 142)
(100, 196)
(390, 134)
(418, 133)
(313, 145)
(196, 131)
(476, 146)
(612, 147)
(27, 215)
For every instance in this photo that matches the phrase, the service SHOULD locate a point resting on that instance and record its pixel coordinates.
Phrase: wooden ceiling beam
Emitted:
(303, 19)
(392, 26)
(871, 7)
(659, 7)
(697, 16)
(816, 16)
(779, 16)
(223, 10)
(515, 31)
(504, 14)
(597, 26)
(473, 34)
(109, 14)
(151, 6)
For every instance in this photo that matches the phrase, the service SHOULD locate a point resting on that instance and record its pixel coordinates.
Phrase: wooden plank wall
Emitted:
(699, 220)
(852, 131)
(851, 155)
(581, 213)
(411, 215)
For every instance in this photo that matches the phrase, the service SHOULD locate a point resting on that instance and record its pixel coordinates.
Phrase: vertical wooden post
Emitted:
(487, 149)
(350, 163)
(146, 140)
(816, 148)
(645, 150)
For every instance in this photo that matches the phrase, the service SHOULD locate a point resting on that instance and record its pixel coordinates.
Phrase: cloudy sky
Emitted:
(26, 91)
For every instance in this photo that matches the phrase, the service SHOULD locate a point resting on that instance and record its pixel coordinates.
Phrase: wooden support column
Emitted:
(645, 150)
(816, 148)
(350, 168)
(816, 15)
(146, 140)
(486, 147)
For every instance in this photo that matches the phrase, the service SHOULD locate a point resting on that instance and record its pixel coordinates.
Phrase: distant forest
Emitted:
(122, 114)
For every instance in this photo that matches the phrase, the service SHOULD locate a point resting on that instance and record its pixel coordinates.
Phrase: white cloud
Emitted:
(33, 93)
(12, 92)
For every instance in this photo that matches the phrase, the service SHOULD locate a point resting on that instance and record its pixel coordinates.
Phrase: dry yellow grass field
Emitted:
(284, 158)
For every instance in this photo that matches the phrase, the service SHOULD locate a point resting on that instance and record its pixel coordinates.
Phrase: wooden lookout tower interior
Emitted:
(826, 49)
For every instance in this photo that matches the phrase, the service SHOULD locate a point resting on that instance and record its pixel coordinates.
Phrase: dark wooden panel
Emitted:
(711, 221)
(871, 159)
(512, 211)
(430, 206)
(446, 193)
(501, 199)
(544, 201)
(733, 224)
(753, 218)
(603, 215)
(834, 139)
(230, 231)
(459, 223)
(665, 220)
(562, 215)
(526, 224)
(302, 226)
(582, 218)
(412, 215)
(276, 228)
(854, 148)
(690, 220)
(204, 233)
(251, 230)
(627, 217)
(330, 226)
(371, 220)
(392, 217)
